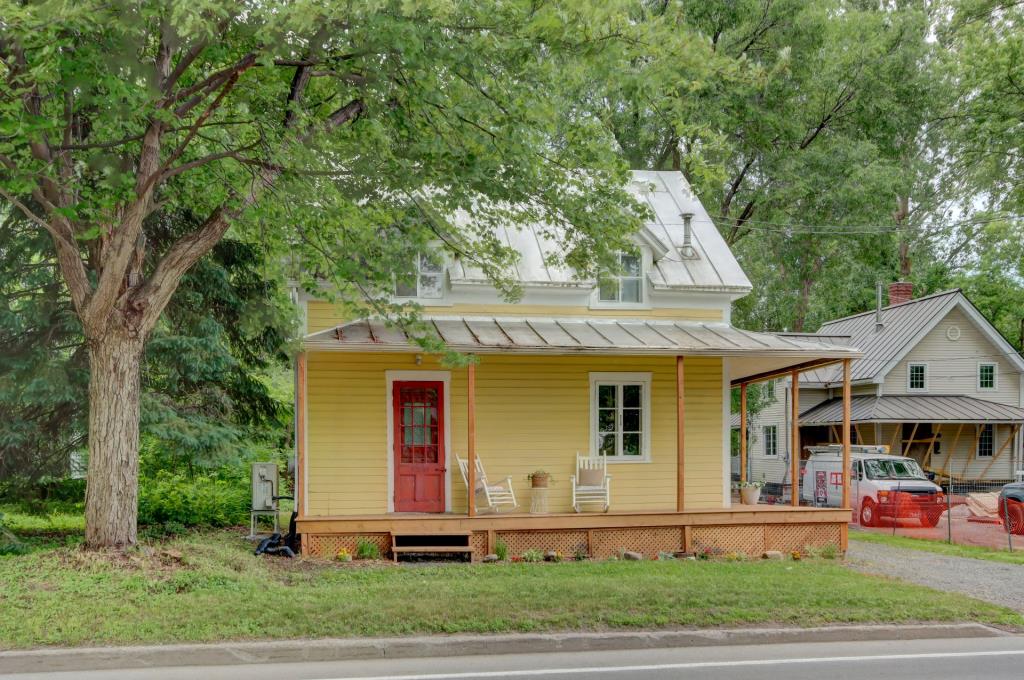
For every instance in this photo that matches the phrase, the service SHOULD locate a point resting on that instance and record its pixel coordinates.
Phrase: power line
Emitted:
(841, 230)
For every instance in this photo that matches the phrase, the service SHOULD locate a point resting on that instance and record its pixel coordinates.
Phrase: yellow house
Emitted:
(631, 378)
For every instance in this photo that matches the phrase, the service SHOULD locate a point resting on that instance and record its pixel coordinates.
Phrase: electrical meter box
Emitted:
(264, 486)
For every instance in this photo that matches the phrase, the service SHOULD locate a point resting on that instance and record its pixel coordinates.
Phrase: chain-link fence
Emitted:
(965, 512)
(985, 513)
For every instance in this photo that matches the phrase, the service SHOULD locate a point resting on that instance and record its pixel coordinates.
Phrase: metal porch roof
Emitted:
(755, 352)
(917, 408)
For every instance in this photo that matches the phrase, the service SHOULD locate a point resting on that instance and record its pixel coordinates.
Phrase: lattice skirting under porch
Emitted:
(600, 543)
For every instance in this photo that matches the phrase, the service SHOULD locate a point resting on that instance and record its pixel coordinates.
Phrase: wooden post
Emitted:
(680, 435)
(743, 432)
(794, 472)
(951, 451)
(905, 449)
(300, 434)
(973, 451)
(860, 437)
(471, 440)
(847, 404)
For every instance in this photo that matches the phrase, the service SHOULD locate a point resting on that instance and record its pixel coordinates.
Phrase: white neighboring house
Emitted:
(937, 382)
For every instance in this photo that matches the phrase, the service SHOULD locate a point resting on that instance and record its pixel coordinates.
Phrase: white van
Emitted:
(881, 485)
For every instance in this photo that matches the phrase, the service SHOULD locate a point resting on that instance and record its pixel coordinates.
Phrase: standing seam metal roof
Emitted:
(900, 325)
(668, 196)
(913, 408)
(572, 335)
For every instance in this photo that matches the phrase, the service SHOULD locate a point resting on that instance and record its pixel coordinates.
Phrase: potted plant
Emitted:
(750, 492)
(539, 479)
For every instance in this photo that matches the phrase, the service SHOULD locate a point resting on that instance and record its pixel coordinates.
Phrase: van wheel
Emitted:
(868, 517)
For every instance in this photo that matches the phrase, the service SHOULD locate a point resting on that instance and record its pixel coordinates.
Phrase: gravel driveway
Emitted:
(995, 582)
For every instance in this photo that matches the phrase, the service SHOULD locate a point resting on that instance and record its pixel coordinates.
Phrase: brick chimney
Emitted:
(900, 291)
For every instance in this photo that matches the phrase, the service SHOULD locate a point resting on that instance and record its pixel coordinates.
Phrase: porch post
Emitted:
(471, 440)
(846, 432)
(300, 434)
(743, 432)
(794, 463)
(680, 435)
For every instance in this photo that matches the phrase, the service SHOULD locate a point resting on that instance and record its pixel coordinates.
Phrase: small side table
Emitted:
(539, 501)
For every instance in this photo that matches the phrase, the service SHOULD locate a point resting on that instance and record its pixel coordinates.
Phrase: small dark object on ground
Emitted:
(281, 545)
(274, 545)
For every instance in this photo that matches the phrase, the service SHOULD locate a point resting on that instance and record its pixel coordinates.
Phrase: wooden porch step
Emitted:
(432, 549)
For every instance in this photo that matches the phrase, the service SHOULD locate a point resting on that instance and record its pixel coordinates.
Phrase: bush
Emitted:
(367, 550)
(501, 549)
(176, 500)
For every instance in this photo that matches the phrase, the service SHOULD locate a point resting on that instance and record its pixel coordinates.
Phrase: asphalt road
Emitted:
(991, 658)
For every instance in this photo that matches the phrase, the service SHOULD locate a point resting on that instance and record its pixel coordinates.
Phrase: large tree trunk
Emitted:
(111, 497)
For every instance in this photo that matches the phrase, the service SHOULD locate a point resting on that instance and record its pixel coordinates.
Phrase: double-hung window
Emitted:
(987, 375)
(771, 440)
(917, 377)
(986, 441)
(627, 284)
(425, 280)
(621, 415)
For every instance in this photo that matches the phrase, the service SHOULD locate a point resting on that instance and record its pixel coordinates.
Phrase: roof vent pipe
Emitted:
(687, 250)
(878, 307)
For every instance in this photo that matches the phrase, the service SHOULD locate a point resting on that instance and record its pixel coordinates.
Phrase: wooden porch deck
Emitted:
(747, 529)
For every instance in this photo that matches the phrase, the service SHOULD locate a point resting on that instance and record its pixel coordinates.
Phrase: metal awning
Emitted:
(916, 408)
(755, 353)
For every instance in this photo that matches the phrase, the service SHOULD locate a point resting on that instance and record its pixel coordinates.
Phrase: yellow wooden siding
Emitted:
(532, 413)
(321, 315)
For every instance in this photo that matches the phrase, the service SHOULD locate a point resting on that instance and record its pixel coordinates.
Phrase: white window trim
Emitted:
(419, 297)
(995, 376)
(764, 436)
(769, 391)
(445, 377)
(992, 452)
(646, 262)
(645, 405)
(926, 372)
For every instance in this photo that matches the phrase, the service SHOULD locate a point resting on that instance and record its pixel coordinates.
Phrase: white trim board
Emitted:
(644, 378)
(445, 377)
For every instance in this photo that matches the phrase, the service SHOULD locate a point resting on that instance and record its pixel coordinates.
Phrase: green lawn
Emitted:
(977, 552)
(209, 586)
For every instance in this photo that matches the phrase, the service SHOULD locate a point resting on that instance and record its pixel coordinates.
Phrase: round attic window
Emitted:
(953, 333)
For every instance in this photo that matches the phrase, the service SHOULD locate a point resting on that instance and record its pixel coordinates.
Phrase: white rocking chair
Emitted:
(591, 483)
(495, 496)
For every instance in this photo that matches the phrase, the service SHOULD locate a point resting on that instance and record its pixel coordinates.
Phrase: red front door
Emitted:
(419, 446)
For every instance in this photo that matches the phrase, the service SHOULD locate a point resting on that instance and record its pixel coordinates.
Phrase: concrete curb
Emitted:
(332, 649)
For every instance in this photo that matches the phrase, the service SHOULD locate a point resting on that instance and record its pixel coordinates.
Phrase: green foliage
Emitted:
(501, 549)
(532, 555)
(367, 550)
(179, 591)
(169, 499)
(9, 543)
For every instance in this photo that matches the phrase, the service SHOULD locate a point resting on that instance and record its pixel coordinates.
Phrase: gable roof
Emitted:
(668, 196)
(903, 326)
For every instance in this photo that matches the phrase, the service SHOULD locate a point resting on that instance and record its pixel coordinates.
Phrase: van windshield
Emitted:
(900, 468)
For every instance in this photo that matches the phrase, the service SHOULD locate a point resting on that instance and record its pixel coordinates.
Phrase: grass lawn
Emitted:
(977, 552)
(209, 586)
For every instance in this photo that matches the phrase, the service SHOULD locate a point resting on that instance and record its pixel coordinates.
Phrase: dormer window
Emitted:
(426, 281)
(627, 284)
